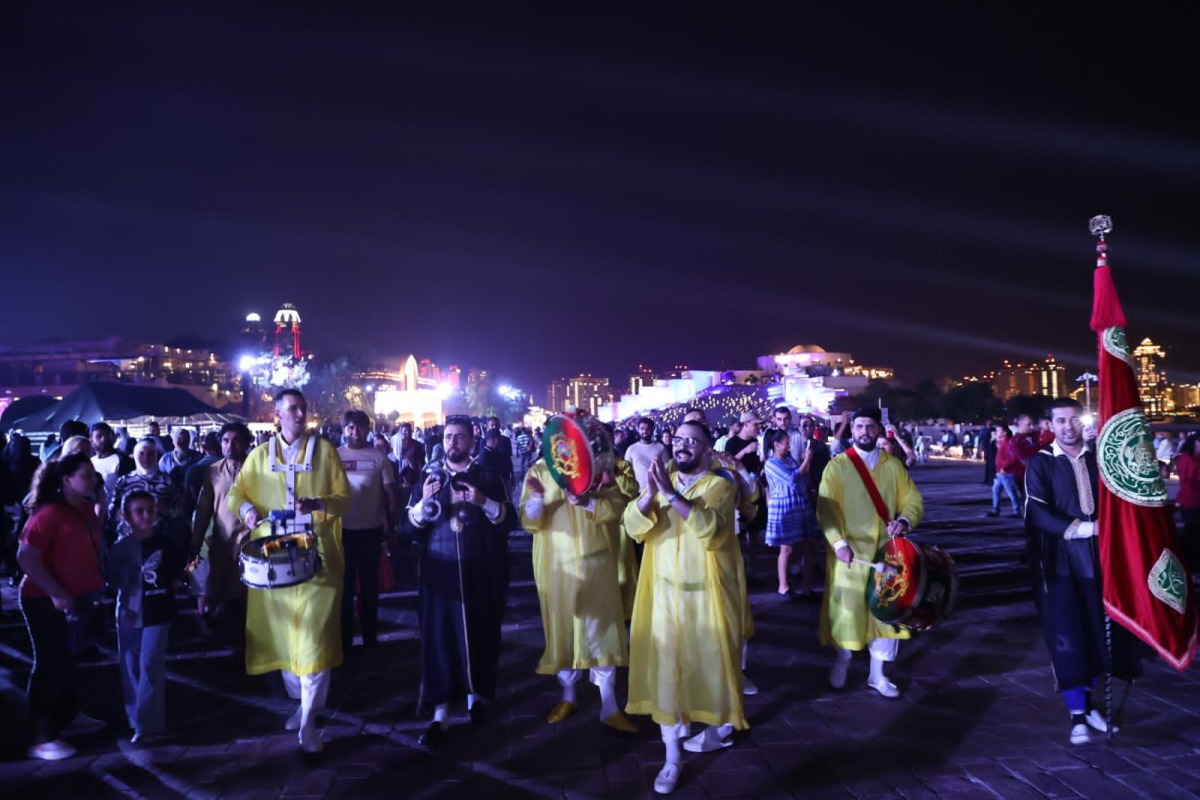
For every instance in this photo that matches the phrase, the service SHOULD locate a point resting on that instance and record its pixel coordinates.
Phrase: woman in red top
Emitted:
(60, 554)
(1187, 464)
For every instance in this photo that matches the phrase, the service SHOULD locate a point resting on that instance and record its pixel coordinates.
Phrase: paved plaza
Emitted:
(978, 717)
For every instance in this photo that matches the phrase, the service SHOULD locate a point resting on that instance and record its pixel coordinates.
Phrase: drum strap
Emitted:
(290, 470)
(880, 507)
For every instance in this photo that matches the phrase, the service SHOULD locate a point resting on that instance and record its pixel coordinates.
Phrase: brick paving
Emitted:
(978, 717)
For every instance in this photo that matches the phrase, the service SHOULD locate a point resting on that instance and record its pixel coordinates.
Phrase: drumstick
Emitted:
(879, 566)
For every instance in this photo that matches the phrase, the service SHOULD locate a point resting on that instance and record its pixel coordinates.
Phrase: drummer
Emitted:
(855, 526)
(296, 629)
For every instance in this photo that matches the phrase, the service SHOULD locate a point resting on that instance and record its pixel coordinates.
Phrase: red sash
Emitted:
(880, 507)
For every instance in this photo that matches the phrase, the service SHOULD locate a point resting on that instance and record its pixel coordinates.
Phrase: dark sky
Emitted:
(540, 192)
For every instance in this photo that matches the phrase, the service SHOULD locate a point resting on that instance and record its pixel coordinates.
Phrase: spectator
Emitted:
(60, 554)
(1010, 472)
(1188, 500)
(175, 463)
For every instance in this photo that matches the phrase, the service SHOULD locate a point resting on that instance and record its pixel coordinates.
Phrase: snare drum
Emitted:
(578, 451)
(274, 562)
(916, 589)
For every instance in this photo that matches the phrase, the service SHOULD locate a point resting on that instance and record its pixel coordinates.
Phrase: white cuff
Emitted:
(591, 506)
(840, 543)
(246, 508)
(534, 506)
(493, 510)
(416, 517)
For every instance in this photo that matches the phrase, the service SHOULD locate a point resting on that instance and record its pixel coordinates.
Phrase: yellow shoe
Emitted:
(621, 723)
(560, 712)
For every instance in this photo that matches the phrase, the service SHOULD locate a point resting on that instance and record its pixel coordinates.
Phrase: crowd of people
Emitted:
(647, 570)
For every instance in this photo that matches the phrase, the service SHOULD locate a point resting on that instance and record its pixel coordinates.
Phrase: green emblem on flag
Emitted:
(1125, 456)
(1116, 345)
(1168, 581)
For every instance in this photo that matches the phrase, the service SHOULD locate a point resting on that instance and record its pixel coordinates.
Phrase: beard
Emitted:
(865, 443)
(688, 466)
(647, 439)
(457, 456)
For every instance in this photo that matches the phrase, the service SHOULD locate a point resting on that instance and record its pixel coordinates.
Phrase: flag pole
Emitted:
(1100, 226)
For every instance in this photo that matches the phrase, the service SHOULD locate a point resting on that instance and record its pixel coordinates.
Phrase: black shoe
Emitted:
(478, 715)
(993, 513)
(432, 736)
(1016, 515)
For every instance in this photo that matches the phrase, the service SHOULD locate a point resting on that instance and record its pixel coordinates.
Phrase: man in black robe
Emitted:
(1060, 517)
(462, 554)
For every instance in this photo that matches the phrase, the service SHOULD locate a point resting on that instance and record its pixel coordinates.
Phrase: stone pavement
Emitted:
(978, 717)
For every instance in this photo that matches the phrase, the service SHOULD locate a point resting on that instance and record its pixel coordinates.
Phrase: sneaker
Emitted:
(884, 687)
(293, 722)
(51, 751)
(667, 777)
(837, 675)
(1079, 733)
(749, 687)
(82, 725)
(1095, 720)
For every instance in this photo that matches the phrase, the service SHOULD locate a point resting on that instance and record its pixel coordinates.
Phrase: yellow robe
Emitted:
(845, 511)
(575, 569)
(297, 628)
(623, 546)
(686, 637)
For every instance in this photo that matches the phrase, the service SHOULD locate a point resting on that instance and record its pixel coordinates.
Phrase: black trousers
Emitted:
(52, 701)
(363, 549)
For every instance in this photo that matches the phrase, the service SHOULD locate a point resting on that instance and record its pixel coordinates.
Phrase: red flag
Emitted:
(1147, 588)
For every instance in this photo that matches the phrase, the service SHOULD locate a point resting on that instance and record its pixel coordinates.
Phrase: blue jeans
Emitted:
(1009, 484)
(143, 653)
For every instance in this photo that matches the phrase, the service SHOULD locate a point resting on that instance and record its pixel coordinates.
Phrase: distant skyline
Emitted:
(547, 191)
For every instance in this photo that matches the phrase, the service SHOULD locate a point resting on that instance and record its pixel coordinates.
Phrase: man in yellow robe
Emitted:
(623, 479)
(854, 530)
(296, 629)
(576, 571)
(687, 631)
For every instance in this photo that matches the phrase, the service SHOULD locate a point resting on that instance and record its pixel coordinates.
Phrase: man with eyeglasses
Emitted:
(688, 619)
(461, 518)
(855, 528)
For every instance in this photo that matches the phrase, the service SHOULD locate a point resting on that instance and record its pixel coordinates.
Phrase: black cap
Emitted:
(868, 411)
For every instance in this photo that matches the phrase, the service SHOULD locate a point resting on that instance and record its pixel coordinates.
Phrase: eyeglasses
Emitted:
(690, 441)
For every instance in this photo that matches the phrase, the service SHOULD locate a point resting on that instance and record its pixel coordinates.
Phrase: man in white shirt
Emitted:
(372, 507)
(110, 463)
(645, 451)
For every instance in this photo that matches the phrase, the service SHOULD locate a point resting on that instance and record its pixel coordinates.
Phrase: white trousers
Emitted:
(597, 675)
(311, 690)
(884, 649)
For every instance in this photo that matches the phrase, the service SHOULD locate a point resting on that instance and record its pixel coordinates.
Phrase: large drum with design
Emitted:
(578, 451)
(273, 562)
(917, 587)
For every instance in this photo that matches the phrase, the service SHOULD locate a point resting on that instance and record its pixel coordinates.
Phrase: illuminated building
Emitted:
(1184, 397)
(57, 368)
(1048, 379)
(1152, 381)
(643, 377)
(287, 324)
(585, 392)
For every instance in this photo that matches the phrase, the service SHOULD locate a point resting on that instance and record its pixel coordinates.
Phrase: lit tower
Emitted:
(287, 318)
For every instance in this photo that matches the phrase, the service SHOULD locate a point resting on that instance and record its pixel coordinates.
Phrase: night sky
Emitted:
(540, 192)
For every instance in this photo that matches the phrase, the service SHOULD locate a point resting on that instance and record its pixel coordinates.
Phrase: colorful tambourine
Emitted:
(578, 451)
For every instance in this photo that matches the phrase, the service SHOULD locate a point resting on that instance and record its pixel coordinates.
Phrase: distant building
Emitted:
(585, 392)
(57, 368)
(287, 331)
(1184, 397)
(1048, 378)
(643, 377)
(1152, 381)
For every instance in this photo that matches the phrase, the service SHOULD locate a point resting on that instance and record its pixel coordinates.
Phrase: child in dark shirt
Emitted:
(143, 566)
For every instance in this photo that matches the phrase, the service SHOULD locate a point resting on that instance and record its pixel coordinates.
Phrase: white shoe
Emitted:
(1079, 734)
(1096, 722)
(749, 687)
(837, 675)
(668, 776)
(51, 751)
(706, 741)
(310, 739)
(82, 725)
(293, 722)
(884, 687)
